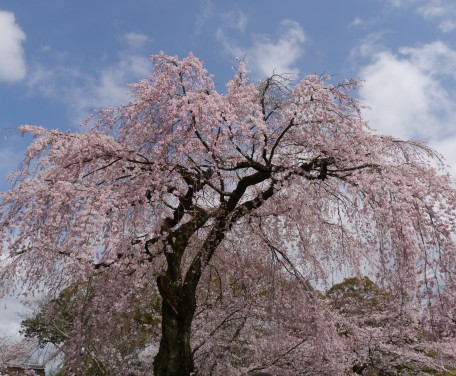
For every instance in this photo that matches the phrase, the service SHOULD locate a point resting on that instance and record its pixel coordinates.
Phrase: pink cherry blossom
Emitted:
(231, 206)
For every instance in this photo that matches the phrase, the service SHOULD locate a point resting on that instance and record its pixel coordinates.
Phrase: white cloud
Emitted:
(136, 40)
(266, 56)
(396, 91)
(447, 147)
(407, 91)
(10, 309)
(111, 88)
(436, 58)
(410, 94)
(12, 63)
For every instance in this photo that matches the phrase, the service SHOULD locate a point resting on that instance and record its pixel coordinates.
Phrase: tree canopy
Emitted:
(232, 205)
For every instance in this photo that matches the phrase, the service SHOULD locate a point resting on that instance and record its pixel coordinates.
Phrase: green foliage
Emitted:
(54, 319)
(358, 296)
(39, 328)
(354, 286)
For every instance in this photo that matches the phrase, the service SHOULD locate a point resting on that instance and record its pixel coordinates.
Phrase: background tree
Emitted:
(245, 325)
(242, 325)
(161, 187)
(387, 335)
(113, 346)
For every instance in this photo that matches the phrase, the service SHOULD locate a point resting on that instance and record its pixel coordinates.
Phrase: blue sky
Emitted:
(59, 59)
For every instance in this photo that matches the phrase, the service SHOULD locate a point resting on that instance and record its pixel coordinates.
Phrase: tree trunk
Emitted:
(175, 356)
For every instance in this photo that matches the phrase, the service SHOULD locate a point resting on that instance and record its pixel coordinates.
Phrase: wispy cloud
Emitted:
(358, 21)
(267, 55)
(364, 23)
(136, 40)
(235, 20)
(442, 12)
(205, 12)
(81, 92)
(401, 3)
(12, 62)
